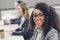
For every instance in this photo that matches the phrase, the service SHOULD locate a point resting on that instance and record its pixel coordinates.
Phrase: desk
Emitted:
(7, 35)
(9, 27)
(11, 37)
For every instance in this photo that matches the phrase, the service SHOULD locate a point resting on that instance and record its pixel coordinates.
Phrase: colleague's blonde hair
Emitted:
(25, 10)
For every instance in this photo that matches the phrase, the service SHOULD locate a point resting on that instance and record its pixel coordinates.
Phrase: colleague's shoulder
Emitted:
(27, 19)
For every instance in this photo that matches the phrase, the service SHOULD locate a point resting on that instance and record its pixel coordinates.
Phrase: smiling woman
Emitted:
(38, 17)
(44, 21)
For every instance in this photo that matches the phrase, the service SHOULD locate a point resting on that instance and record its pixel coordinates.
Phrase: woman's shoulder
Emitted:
(27, 19)
(52, 32)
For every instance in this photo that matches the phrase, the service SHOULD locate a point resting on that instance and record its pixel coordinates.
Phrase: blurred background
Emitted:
(8, 7)
(8, 11)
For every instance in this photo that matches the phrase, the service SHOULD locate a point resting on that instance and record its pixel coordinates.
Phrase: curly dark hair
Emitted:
(50, 17)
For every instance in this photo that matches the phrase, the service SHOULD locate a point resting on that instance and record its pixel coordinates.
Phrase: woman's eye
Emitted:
(35, 15)
(41, 14)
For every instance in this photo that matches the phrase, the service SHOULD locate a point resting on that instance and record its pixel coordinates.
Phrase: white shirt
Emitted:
(37, 33)
(23, 19)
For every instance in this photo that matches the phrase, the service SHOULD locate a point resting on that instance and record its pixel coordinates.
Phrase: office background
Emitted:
(7, 8)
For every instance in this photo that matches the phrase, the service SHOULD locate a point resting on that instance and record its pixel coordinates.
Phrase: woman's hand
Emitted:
(10, 31)
(6, 22)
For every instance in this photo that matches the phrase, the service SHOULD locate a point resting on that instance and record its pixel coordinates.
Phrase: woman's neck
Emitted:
(41, 27)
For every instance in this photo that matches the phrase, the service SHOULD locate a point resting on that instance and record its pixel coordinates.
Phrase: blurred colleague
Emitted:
(18, 19)
(44, 21)
(17, 3)
(24, 25)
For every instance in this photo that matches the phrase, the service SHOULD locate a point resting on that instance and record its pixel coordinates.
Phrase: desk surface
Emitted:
(7, 35)
(9, 27)
(11, 37)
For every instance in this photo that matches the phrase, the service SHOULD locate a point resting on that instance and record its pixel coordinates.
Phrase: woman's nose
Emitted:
(37, 18)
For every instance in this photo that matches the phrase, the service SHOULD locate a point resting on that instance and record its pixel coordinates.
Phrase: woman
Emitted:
(44, 21)
(24, 25)
(18, 19)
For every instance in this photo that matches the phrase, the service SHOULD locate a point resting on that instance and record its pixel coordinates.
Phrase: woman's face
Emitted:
(19, 9)
(38, 17)
(16, 4)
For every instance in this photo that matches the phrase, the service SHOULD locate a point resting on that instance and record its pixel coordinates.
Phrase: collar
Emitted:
(38, 29)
